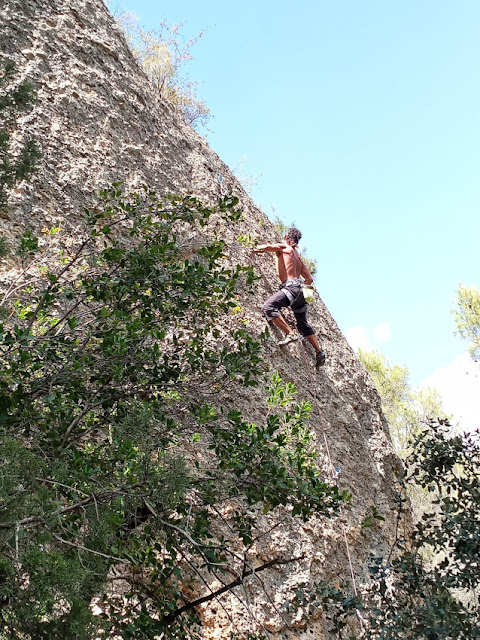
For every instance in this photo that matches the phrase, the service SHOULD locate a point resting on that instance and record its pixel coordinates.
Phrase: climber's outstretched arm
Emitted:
(277, 246)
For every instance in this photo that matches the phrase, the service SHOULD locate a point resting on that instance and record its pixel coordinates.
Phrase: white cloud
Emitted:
(459, 387)
(382, 332)
(131, 16)
(357, 338)
(360, 337)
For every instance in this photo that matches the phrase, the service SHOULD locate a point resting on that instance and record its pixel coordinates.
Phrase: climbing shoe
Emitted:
(320, 359)
(290, 338)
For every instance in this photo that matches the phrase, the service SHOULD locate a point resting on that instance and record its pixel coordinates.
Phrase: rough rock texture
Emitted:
(97, 119)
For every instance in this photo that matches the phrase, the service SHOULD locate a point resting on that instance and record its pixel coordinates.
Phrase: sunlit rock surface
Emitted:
(97, 120)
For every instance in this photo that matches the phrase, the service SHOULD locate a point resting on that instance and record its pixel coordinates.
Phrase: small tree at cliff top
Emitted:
(162, 53)
(125, 484)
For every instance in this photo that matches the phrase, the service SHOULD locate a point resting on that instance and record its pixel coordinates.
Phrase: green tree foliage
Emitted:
(410, 598)
(418, 600)
(407, 410)
(282, 229)
(17, 161)
(124, 486)
(467, 318)
(162, 53)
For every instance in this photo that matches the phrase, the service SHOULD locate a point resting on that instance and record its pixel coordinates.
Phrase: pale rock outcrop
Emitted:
(98, 119)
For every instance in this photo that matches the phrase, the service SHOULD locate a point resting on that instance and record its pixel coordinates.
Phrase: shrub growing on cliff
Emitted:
(124, 485)
(161, 53)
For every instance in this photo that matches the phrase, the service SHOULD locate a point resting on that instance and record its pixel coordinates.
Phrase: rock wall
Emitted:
(97, 119)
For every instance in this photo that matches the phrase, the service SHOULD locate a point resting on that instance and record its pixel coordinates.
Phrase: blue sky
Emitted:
(363, 119)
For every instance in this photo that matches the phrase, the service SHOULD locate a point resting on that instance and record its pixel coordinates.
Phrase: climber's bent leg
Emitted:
(281, 324)
(271, 311)
(304, 328)
(309, 334)
(313, 340)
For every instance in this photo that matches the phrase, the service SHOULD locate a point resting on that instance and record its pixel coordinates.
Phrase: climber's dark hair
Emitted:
(294, 234)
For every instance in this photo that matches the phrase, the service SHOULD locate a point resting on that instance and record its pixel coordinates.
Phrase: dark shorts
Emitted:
(271, 308)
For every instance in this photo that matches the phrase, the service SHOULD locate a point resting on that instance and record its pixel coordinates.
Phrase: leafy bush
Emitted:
(125, 487)
(410, 597)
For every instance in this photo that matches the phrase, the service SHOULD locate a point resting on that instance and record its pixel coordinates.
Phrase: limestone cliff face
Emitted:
(97, 119)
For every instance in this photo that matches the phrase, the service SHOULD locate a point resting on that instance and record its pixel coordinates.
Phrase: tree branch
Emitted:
(77, 505)
(41, 304)
(84, 412)
(228, 587)
(76, 545)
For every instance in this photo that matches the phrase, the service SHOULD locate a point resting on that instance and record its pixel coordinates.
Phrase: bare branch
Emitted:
(78, 505)
(80, 546)
(50, 287)
(228, 587)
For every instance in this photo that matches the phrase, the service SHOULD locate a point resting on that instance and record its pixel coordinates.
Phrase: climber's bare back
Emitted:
(287, 262)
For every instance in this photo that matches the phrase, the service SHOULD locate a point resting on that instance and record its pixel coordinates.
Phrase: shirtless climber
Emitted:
(289, 268)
